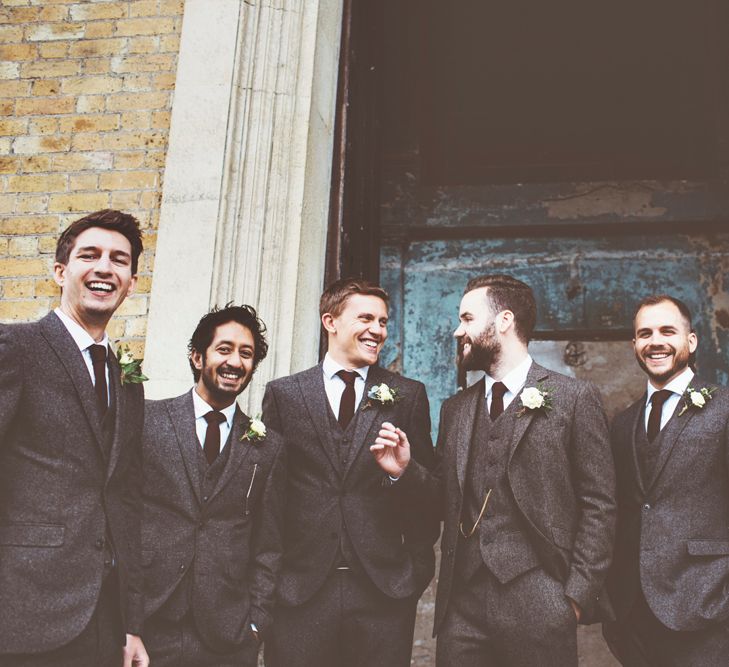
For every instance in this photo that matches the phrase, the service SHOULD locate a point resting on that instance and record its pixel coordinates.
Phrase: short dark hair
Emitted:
(655, 299)
(508, 293)
(116, 221)
(243, 315)
(335, 296)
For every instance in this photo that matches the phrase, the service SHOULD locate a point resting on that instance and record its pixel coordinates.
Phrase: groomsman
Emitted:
(358, 552)
(669, 581)
(70, 456)
(525, 483)
(213, 481)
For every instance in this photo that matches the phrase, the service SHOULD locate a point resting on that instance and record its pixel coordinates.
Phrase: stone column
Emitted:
(246, 191)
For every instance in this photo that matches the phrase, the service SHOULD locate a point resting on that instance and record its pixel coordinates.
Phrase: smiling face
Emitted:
(479, 347)
(226, 367)
(357, 334)
(663, 342)
(97, 277)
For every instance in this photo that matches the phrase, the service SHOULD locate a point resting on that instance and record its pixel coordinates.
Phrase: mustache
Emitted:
(231, 370)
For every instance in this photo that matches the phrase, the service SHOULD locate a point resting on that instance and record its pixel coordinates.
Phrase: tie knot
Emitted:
(98, 353)
(660, 397)
(498, 390)
(214, 417)
(348, 376)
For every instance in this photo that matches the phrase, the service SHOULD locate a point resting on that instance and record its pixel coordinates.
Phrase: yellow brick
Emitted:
(15, 3)
(78, 182)
(37, 183)
(41, 144)
(48, 286)
(161, 119)
(35, 164)
(97, 66)
(29, 225)
(150, 199)
(89, 123)
(49, 68)
(137, 101)
(169, 43)
(125, 201)
(96, 11)
(46, 87)
(136, 347)
(90, 104)
(46, 244)
(14, 88)
(53, 49)
(136, 327)
(45, 105)
(9, 165)
(137, 83)
(11, 127)
(27, 204)
(46, 32)
(131, 140)
(6, 144)
(143, 45)
(171, 7)
(146, 63)
(18, 289)
(23, 245)
(43, 125)
(24, 15)
(136, 120)
(145, 26)
(18, 51)
(3, 246)
(79, 202)
(96, 47)
(7, 107)
(91, 85)
(133, 305)
(95, 161)
(7, 205)
(9, 70)
(132, 160)
(143, 8)
(144, 284)
(99, 29)
(22, 267)
(22, 311)
(115, 328)
(10, 33)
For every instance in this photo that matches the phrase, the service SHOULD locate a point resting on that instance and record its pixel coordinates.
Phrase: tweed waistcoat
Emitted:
(647, 451)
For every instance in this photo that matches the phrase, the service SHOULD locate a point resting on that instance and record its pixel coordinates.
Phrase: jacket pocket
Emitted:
(708, 547)
(31, 535)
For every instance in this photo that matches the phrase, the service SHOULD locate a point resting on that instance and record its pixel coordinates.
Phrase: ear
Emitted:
(197, 359)
(132, 286)
(327, 321)
(505, 321)
(59, 273)
(693, 342)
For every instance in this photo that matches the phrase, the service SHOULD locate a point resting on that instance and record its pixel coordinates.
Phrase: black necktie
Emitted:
(654, 418)
(497, 399)
(346, 405)
(211, 446)
(98, 359)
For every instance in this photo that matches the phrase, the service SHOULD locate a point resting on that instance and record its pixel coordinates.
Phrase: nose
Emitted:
(459, 332)
(103, 264)
(377, 329)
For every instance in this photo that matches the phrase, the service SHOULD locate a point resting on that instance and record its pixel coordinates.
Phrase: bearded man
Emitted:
(670, 577)
(525, 485)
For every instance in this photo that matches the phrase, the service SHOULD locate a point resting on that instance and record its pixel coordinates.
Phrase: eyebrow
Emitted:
(88, 248)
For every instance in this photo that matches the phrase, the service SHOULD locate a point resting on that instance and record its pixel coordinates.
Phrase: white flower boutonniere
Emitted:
(535, 398)
(381, 394)
(256, 431)
(131, 368)
(696, 398)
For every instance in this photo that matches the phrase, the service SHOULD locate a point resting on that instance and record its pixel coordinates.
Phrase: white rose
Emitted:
(385, 394)
(532, 398)
(258, 427)
(697, 399)
(126, 358)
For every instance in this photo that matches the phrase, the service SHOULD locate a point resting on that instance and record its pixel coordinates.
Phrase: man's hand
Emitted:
(575, 608)
(391, 450)
(135, 654)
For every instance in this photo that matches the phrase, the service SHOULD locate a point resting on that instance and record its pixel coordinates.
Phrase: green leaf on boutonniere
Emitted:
(535, 398)
(381, 394)
(256, 431)
(696, 399)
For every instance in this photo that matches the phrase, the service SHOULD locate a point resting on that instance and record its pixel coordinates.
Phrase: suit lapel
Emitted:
(116, 392)
(637, 411)
(238, 450)
(466, 421)
(366, 417)
(60, 340)
(182, 417)
(311, 383)
(535, 375)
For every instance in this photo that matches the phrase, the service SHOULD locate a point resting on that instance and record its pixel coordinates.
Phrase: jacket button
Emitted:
(99, 544)
(205, 499)
(646, 506)
(182, 568)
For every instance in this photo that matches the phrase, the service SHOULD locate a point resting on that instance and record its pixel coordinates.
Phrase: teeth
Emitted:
(370, 343)
(230, 376)
(104, 287)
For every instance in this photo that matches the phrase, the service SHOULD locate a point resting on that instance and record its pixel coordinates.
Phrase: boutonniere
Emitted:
(131, 368)
(256, 431)
(535, 398)
(696, 398)
(381, 394)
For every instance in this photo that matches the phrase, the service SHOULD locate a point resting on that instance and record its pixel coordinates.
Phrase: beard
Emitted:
(484, 353)
(209, 380)
(681, 359)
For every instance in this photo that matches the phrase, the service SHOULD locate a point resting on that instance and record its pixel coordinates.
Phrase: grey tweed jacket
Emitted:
(561, 474)
(229, 541)
(327, 493)
(673, 528)
(59, 495)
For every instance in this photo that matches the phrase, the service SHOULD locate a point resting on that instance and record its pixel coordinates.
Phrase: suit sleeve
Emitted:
(593, 474)
(271, 417)
(11, 382)
(268, 542)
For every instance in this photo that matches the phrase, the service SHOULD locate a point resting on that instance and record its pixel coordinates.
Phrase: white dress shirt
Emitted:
(334, 385)
(84, 341)
(678, 386)
(514, 380)
(201, 426)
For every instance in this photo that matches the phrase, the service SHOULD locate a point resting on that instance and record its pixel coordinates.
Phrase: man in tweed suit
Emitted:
(669, 582)
(357, 551)
(525, 485)
(70, 465)
(212, 498)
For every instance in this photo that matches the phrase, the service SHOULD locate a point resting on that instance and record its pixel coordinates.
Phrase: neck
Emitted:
(214, 401)
(657, 383)
(95, 329)
(509, 359)
(339, 358)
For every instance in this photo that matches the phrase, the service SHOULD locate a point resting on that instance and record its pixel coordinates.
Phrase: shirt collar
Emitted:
(514, 380)
(678, 385)
(331, 368)
(202, 408)
(81, 337)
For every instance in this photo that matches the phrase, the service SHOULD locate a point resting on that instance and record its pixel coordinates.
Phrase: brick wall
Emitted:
(85, 99)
